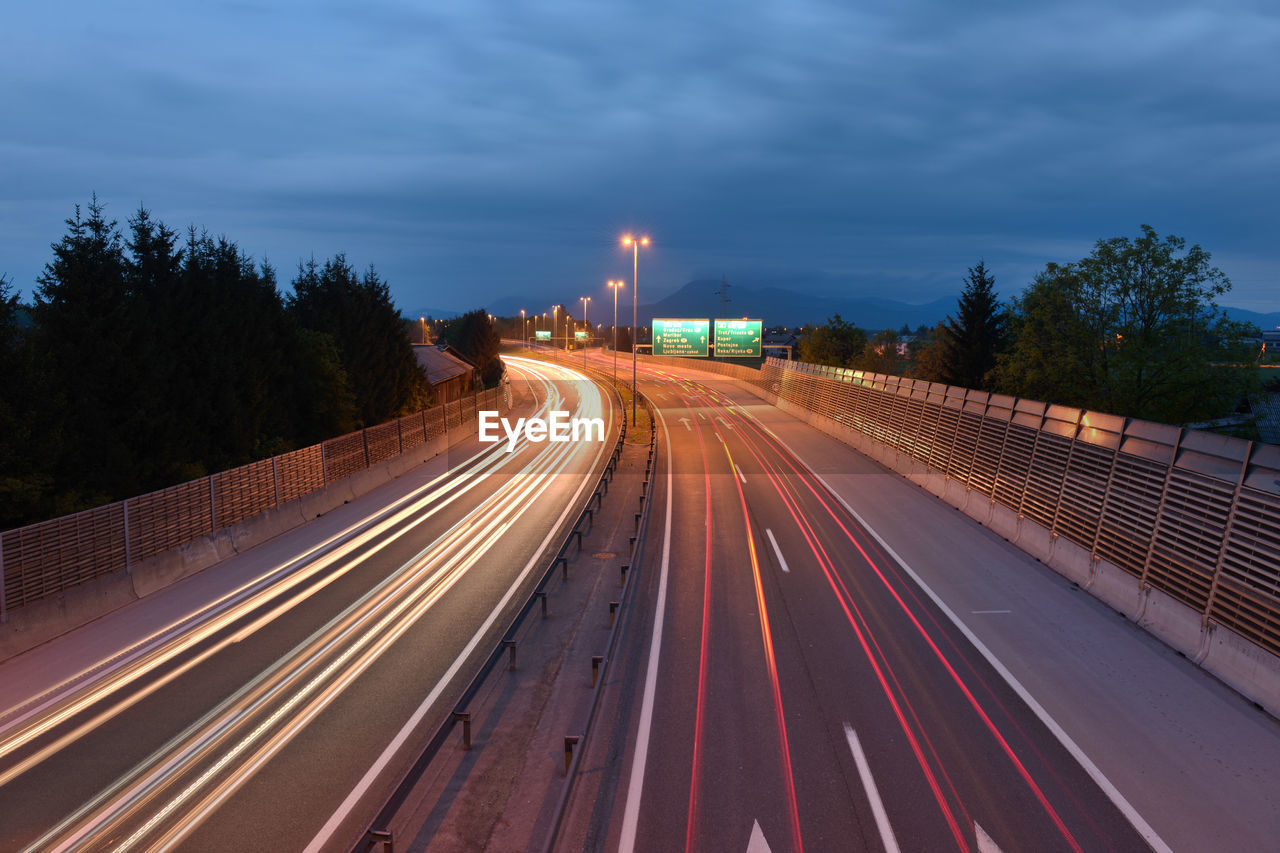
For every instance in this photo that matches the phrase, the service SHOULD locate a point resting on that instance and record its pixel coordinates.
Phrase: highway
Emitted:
(271, 702)
(792, 683)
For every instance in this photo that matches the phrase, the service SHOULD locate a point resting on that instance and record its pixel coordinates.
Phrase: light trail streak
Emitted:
(396, 604)
(235, 606)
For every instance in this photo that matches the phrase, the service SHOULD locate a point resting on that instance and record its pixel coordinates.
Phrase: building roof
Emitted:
(441, 366)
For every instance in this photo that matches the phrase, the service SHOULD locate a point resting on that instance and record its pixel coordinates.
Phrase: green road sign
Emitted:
(542, 335)
(579, 336)
(738, 338)
(680, 337)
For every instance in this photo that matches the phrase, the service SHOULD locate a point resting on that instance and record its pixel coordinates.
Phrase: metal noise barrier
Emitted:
(1192, 514)
(379, 830)
(49, 557)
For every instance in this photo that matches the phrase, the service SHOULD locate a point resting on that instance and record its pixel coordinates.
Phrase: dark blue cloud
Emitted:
(475, 149)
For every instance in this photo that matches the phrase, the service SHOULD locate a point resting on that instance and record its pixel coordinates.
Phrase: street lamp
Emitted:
(614, 285)
(423, 321)
(635, 245)
(586, 329)
(524, 331)
(555, 322)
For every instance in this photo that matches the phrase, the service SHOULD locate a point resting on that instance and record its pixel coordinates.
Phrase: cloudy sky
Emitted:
(474, 149)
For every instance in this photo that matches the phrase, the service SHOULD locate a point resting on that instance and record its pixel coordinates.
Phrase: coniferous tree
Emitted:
(474, 337)
(89, 337)
(976, 335)
(358, 314)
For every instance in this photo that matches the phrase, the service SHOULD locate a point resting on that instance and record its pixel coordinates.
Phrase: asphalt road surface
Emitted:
(794, 683)
(270, 702)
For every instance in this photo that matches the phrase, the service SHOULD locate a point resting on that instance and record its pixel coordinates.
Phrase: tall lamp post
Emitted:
(524, 331)
(635, 244)
(586, 329)
(614, 285)
(555, 322)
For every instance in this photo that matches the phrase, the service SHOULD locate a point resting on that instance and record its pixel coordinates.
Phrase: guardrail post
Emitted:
(465, 719)
(128, 550)
(596, 660)
(510, 645)
(613, 611)
(543, 597)
(624, 574)
(569, 742)
(379, 836)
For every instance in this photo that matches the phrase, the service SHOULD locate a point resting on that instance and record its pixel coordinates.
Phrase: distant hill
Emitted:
(1262, 321)
(777, 306)
(434, 313)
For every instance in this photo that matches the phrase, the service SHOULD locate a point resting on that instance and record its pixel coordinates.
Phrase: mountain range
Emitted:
(778, 306)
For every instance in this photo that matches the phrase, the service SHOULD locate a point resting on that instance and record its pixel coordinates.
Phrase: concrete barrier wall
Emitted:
(71, 602)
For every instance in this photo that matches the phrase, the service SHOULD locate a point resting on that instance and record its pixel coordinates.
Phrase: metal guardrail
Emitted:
(49, 557)
(379, 833)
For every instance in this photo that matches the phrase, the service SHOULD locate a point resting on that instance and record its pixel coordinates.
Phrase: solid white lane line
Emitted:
(877, 807)
(324, 836)
(777, 552)
(739, 470)
(1135, 819)
(631, 813)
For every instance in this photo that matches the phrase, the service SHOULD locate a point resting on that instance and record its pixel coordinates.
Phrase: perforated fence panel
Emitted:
(1185, 551)
(1206, 530)
(301, 472)
(242, 492)
(344, 456)
(168, 518)
(1083, 491)
(46, 558)
(383, 442)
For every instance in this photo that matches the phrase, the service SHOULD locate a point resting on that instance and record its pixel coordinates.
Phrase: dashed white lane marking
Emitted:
(782, 561)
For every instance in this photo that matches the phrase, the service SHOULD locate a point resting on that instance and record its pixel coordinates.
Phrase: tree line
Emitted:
(1132, 329)
(148, 358)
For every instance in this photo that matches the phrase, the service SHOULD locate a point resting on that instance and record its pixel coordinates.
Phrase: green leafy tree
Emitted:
(973, 338)
(357, 312)
(474, 336)
(881, 354)
(1132, 329)
(928, 354)
(837, 343)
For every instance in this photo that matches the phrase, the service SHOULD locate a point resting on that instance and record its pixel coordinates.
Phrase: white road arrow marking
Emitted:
(757, 844)
(877, 808)
(740, 477)
(701, 415)
(985, 844)
(685, 421)
(777, 551)
(726, 423)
